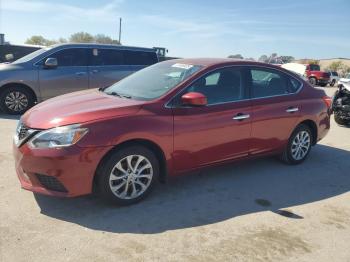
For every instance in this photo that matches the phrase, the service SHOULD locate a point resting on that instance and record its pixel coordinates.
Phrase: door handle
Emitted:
(80, 73)
(292, 109)
(241, 116)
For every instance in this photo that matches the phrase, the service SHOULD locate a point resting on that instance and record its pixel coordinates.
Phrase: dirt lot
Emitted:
(260, 210)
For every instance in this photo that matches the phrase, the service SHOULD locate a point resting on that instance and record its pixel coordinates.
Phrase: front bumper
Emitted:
(72, 169)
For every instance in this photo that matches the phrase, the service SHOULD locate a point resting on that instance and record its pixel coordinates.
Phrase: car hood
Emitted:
(78, 107)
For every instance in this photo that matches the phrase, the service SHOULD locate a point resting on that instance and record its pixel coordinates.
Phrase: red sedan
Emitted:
(166, 119)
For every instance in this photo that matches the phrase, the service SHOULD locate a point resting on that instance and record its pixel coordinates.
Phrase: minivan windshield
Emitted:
(30, 56)
(153, 81)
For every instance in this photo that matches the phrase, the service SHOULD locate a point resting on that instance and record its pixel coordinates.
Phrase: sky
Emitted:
(188, 28)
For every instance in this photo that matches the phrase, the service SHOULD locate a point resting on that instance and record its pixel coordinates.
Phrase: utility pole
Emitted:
(120, 29)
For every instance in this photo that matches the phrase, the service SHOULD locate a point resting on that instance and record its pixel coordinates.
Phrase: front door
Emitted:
(218, 131)
(70, 75)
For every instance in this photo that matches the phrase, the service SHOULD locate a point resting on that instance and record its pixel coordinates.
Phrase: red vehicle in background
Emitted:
(316, 76)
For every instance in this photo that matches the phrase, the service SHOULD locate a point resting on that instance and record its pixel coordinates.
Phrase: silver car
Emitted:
(65, 68)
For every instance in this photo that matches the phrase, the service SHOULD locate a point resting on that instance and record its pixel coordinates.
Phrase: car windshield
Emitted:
(153, 81)
(314, 67)
(334, 73)
(31, 55)
(347, 76)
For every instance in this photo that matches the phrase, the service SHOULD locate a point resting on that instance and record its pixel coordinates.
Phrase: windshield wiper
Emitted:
(119, 95)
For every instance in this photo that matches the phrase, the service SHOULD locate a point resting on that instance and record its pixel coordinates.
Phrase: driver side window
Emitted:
(221, 86)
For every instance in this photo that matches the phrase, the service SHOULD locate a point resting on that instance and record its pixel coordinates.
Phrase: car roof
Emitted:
(96, 45)
(209, 62)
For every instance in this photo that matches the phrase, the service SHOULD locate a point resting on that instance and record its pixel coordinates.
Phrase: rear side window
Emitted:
(266, 82)
(106, 57)
(71, 57)
(139, 57)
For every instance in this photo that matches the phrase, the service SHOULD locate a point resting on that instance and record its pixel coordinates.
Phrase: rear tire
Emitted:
(299, 146)
(127, 175)
(16, 100)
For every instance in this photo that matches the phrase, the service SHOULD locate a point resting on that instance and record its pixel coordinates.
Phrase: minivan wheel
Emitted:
(16, 100)
(127, 175)
(299, 146)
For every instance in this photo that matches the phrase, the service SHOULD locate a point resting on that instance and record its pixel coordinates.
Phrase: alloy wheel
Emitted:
(16, 101)
(131, 177)
(301, 145)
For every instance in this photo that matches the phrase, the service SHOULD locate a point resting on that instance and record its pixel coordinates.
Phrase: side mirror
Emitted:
(51, 62)
(194, 99)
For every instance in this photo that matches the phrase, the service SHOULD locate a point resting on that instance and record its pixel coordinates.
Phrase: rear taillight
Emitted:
(327, 100)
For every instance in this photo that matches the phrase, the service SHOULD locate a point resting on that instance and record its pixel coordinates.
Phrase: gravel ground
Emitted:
(258, 210)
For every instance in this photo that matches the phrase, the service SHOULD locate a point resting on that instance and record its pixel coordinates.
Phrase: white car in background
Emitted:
(299, 69)
(345, 81)
(333, 77)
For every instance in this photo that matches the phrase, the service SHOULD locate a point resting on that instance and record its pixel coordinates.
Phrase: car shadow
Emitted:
(6, 116)
(215, 195)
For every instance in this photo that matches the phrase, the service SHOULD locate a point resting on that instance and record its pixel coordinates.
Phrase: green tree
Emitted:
(103, 39)
(287, 58)
(39, 40)
(237, 56)
(81, 37)
(263, 58)
(336, 66)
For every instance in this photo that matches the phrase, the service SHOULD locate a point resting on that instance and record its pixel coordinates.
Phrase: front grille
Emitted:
(51, 183)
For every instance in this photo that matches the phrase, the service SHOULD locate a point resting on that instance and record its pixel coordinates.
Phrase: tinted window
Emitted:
(71, 57)
(224, 85)
(139, 58)
(267, 82)
(106, 57)
(314, 67)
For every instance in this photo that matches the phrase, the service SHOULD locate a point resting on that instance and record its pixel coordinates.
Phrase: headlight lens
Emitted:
(58, 137)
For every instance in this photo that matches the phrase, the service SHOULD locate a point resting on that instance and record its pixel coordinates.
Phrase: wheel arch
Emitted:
(155, 148)
(313, 127)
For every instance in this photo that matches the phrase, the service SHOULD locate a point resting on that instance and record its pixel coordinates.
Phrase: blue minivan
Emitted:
(66, 68)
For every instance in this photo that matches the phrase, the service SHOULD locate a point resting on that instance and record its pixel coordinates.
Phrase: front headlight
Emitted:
(58, 137)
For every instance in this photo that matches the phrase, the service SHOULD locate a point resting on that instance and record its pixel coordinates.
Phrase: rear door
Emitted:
(70, 75)
(110, 65)
(218, 131)
(275, 108)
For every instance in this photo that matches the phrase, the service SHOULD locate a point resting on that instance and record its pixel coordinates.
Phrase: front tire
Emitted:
(16, 100)
(299, 146)
(127, 175)
(313, 81)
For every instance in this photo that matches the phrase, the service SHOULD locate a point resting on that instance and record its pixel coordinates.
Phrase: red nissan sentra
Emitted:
(166, 119)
